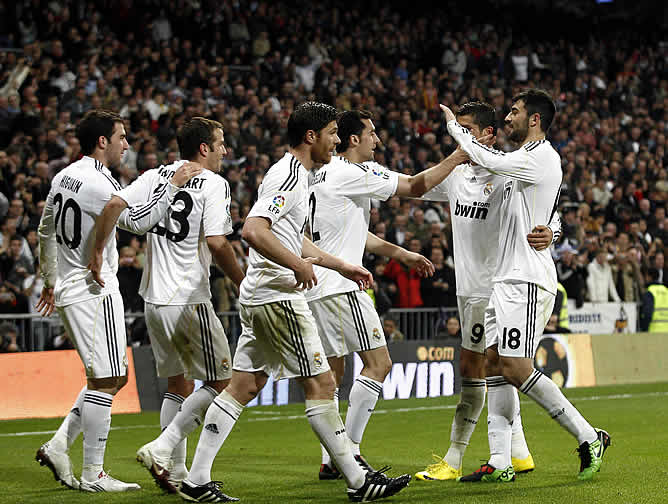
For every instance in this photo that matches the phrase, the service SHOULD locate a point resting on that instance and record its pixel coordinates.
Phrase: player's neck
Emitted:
(99, 156)
(533, 136)
(200, 160)
(303, 156)
(353, 156)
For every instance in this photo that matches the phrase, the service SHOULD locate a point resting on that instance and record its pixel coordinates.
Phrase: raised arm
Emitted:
(519, 164)
(140, 218)
(416, 185)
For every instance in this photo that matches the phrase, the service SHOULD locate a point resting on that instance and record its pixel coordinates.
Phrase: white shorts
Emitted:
(190, 340)
(520, 311)
(96, 328)
(280, 339)
(347, 323)
(472, 318)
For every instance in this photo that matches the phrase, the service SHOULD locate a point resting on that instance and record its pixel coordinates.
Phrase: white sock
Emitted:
(501, 412)
(326, 459)
(96, 420)
(328, 426)
(546, 393)
(190, 415)
(361, 403)
(519, 448)
(468, 410)
(70, 429)
(218, 422)
(171, 403)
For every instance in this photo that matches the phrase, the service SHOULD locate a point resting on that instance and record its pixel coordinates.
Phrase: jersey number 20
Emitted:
(62, 211)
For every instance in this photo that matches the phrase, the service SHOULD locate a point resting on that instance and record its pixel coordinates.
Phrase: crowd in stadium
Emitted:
(248, 64)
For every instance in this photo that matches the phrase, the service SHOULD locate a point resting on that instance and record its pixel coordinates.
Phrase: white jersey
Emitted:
(67, 232)
(339, 207)
(530, 197)
(475, 197)
(283, 199)
(178, 257)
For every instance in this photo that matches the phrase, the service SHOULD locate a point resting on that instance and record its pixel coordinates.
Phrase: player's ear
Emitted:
(354, 140)
(102, 142)
(534, 120)
(310, 137)
(203, 148)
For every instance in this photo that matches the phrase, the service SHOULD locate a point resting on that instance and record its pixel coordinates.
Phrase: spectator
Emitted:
(627, 275)
(439, 289)
(392, 333)
(453, 328)
(654, 308)
(408, 284)
(129, 278)
(600, 285)
(8, 336)
(571, 273)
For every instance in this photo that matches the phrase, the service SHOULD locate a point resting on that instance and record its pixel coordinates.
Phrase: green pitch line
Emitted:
(271, 458)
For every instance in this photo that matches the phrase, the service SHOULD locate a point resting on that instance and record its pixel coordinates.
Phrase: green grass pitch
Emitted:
(272, 455)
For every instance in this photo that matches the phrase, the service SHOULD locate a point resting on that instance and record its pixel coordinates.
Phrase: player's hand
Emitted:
(487, 140)
(305, 275)
(419, 263)
(95, 267)
(447, 113)
(540, 237)
(46, 303)
(185, 172)
(358, 274)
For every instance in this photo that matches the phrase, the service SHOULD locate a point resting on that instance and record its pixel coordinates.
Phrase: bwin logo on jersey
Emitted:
(475, 211)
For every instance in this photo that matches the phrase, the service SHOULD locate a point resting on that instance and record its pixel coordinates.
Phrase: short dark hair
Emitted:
(483, 114)
(308, 116)
(538, 101)
(194, 133)
(653, 274)
(350, 123)
(16, 237)
(96, 123)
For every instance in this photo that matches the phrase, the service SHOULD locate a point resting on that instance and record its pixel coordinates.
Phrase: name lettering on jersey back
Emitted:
(70, 183)
(193, 183)
(477, 210)
(319, 177)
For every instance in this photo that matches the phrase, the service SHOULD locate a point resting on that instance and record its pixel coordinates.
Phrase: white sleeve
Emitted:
(521, 164)
(555, 226)
(149, 199)
(277, 195)
(216, 219)
(48, 250)
(368, 179)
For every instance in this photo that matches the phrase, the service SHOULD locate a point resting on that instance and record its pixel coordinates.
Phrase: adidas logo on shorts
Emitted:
(212, 427)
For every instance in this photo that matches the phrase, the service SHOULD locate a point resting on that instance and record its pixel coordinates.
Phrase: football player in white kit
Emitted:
(187, 338)
(339, 206)
(476, 194)
(279, 335)
(524, 285)
(92, 314)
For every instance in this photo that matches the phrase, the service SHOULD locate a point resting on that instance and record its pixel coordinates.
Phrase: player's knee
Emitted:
(472, 365)
(511, 371)
(121, 382)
